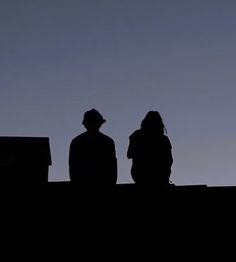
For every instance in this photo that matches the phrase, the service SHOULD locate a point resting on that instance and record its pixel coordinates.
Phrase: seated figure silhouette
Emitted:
(92, 154)
(151, 152)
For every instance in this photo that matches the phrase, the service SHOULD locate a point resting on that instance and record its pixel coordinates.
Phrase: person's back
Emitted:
(92, 157)
(150, 151)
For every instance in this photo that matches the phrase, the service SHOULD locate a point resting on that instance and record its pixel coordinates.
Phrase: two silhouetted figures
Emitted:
(92, 156)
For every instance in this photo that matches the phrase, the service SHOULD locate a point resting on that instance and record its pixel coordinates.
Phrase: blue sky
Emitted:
(124, 58)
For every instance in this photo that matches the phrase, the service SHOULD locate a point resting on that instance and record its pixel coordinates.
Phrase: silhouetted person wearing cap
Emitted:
(92, 156)
(150, 151)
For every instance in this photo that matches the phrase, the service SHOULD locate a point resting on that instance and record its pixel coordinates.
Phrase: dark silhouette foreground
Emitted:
(56, 221)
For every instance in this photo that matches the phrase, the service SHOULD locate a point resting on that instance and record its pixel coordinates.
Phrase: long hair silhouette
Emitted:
(153, 123)
(150, 151)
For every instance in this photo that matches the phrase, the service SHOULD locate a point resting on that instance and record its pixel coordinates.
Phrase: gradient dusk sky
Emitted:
(60, 58)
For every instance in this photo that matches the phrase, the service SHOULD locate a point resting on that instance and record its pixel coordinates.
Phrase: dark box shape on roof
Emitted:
(24, 158)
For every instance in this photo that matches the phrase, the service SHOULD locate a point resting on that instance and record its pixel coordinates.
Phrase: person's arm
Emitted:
(72, 162)
(169, 156)
(130, 148)
(114, 164)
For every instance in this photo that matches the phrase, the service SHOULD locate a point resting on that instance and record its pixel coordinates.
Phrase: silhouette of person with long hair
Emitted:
(151, 152)
(92, 154)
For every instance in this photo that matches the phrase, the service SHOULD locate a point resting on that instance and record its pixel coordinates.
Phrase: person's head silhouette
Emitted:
(153, 123)
(93, 120)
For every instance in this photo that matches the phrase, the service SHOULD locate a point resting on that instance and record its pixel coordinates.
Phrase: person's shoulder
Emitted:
(135, 134)
(167, 140)
(106, 137)
(79, 137)
(165, 137)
